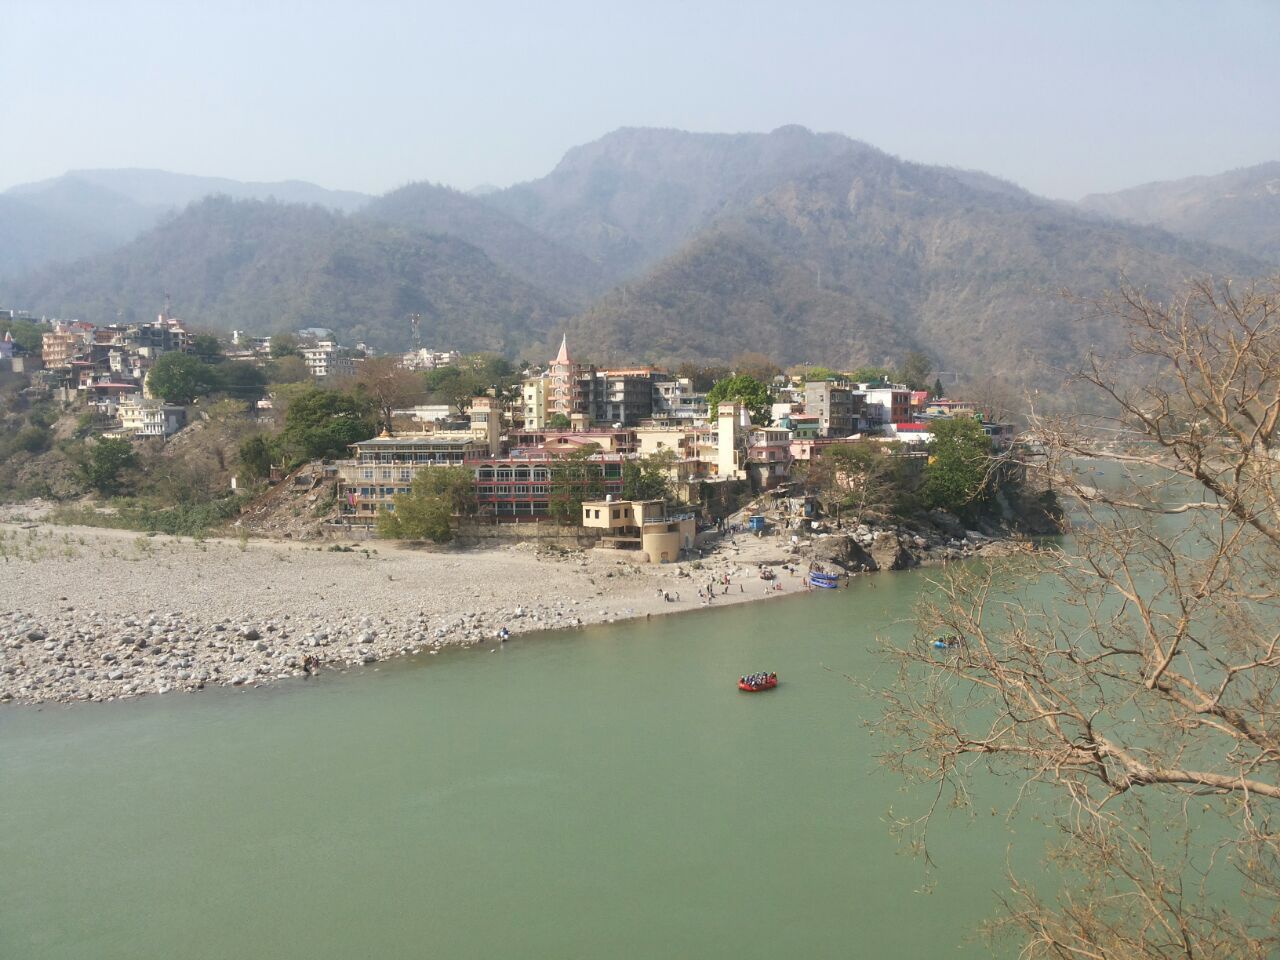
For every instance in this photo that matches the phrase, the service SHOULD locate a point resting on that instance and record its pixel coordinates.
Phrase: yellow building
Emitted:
(641, 525)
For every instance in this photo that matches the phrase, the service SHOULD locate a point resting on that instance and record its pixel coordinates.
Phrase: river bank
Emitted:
(99, 614)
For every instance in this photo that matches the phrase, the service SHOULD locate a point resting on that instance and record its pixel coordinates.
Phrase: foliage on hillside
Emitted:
(520, 250)
(1239, 209)
(275, 267)
(870, 258)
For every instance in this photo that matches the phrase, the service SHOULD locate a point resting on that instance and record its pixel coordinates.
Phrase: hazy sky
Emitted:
(1064, 98)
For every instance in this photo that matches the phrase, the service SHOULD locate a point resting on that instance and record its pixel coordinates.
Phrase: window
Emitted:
(615, 514)
(597, 516)
(406, 474)
(386, 473)
(368, 474)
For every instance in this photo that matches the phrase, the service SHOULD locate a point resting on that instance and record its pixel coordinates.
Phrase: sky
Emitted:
(1064, 98)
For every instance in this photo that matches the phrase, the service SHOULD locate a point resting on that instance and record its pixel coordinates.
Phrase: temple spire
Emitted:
(563, 355)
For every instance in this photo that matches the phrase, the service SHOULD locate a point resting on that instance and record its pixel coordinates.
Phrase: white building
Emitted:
(327, 359)
(142, 417)
(425, 359)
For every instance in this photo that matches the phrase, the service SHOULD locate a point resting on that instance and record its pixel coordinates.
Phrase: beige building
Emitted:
(534, 393)
(327, 359)
(143, 417)
(642, 525)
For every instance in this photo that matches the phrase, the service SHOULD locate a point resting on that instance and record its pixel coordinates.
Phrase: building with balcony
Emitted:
(641, 525)
(142, 417)
(836, 404)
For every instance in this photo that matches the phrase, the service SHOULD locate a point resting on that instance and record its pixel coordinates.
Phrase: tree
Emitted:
(288, 369)
(284, 345)
(871, 375)
(647, 478)
(748, 391)
(575, 478)
(180, 378)
(256, 456)
(957, 477)
(388, 386)
(27, 336)
(757, 365)
(558, 421)
(916, 368)
(323, 423)
(862, 476)
(437, 494)
(700, 376)
(207, 348)
(241, 380)
(937, 390)
(102, 464)
(1138, 704)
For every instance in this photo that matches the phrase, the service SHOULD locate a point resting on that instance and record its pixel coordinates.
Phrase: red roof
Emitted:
(911, 427)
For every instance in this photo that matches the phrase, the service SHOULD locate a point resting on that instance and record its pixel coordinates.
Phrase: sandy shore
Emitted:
(97, 614)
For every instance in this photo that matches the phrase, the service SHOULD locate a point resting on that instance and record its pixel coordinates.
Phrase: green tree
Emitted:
(323, 423)
(102, 464)
(558, 421)
(27, 336)
(916, 368)
(207, 347)
(241, 380)
(959, 457)
(937, 389)
(575, 479)
(647, 478)
(748, 391)
(871, 375)
(426, 511)
(863, 477)
(256, 456)
(288, 369)
(180, 378)
(284, 345)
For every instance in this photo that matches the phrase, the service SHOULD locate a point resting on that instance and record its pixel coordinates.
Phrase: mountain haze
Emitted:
(1239, 209)
(230, 264)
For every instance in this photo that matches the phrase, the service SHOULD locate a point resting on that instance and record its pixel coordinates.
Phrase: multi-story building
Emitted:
(64, 343)
(886, 404)
(142, 417)
(622, 397)
(769, 456)
(564, 387)
(836, 404)
(424, 359)
(676, 399)
(641, 525)
(326, 359)
(534, 396)
(382, 467)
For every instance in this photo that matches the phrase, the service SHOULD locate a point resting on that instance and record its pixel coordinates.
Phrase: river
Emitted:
(604, 792)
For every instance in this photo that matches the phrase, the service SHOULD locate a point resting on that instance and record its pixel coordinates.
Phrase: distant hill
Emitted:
(867, 257)
(634, 196)
(1239, 209)
(270, 267)
(515, 247)
(96, 209)
(31, 237)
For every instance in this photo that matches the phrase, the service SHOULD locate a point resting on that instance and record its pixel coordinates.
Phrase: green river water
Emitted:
(604, 792)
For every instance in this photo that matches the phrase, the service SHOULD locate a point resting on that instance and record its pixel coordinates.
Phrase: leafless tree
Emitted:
(389, 385)
(1139, 697)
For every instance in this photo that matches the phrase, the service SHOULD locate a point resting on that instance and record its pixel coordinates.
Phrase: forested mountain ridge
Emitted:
(636, 195)
(868, 256)
(266, 267)
(512, 245)
(1239, 209)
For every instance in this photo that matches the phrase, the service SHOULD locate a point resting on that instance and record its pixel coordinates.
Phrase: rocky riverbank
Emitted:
(97, 614)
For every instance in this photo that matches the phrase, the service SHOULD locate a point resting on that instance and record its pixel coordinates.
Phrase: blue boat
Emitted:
(826, 581)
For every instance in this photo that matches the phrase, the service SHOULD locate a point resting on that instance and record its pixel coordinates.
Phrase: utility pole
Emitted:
(415, 321)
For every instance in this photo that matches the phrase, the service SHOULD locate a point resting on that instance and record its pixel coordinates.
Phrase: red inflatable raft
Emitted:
(765, 683)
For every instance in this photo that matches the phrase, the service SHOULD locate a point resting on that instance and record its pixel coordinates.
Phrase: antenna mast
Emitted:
(415, 321)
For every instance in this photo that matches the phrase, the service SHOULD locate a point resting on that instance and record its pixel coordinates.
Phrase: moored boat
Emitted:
(826, 581)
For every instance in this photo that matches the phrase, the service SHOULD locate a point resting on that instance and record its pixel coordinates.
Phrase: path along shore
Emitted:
(89, 613)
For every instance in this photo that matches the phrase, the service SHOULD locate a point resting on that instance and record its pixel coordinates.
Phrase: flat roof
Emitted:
(414, 441)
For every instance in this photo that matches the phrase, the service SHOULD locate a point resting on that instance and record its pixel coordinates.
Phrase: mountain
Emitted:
(162, 190)
(1239, 209)
(520, 250)
(635, 195)
(266, 266)
(93, 210)
(31, 237)
(866, 257)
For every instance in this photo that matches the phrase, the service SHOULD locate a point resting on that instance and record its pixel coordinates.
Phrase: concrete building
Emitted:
(326, 359)
(382, 467)
(424, 359)
(64, 343)
(676, 399)
(142, 417)
(887, 404)
(641, 525)
(534, 398)
(836, 404)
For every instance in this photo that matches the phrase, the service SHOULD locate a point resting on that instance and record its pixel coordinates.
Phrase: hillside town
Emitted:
(713, 454)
